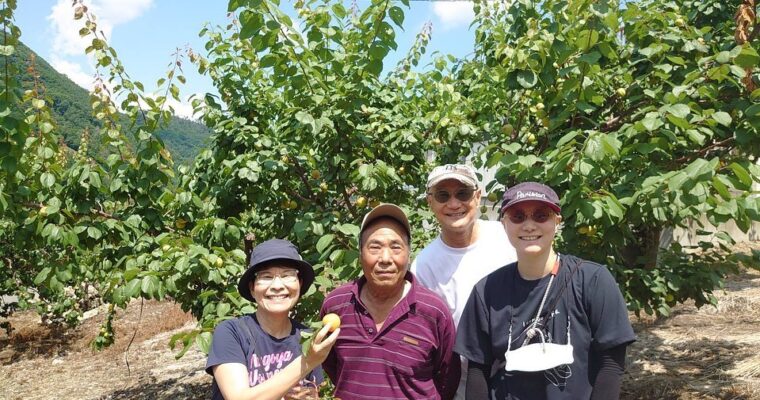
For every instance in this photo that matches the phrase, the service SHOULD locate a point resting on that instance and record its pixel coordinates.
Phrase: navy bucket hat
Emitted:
(270, 251)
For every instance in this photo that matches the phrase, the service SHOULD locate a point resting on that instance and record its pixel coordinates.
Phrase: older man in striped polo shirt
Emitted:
(396, 336)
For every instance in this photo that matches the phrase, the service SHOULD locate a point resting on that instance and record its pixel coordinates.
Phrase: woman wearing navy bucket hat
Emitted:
(549, 326)
(258, 356)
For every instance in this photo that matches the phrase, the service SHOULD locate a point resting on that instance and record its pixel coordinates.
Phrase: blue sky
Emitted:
(145, 33)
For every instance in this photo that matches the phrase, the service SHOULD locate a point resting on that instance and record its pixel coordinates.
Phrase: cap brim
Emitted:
(305, 274)
(551, 205)
(387, 210)
(463, 179)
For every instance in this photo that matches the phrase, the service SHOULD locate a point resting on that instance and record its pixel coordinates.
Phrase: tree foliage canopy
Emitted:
(644, 116)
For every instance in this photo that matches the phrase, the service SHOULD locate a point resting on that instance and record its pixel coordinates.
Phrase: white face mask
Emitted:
(539, 357)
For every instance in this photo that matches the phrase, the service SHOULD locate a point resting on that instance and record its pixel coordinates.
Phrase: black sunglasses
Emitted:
(443, 196)
(539, 216)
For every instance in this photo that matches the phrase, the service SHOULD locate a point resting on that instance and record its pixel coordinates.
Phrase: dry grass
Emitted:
(707, 353)
(53, 364)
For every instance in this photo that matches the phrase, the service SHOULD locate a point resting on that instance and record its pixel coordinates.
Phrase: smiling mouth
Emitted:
(530, 238)
(278, 297)
(457, 215)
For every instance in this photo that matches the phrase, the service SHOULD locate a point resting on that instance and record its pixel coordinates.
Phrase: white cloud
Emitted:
(73, 71)
(182, 108)
(117, 12)
(65, 29)
(67, 41)
(453, 14)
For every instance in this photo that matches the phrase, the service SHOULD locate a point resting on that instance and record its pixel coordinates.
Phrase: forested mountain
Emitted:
(72, 112)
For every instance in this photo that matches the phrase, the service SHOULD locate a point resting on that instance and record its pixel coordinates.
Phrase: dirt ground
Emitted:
(710, 353)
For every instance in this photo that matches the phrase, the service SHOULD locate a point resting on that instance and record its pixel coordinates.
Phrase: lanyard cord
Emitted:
(532, 331)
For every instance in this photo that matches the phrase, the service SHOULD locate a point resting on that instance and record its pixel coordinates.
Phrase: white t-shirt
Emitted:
(452, 272)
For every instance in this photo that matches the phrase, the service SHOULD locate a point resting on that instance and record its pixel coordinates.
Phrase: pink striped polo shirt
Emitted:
(410, 357)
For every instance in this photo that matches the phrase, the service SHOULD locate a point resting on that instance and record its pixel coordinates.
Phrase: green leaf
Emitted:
(567, 138)
(94, 232)
(695, 136)
(42, 276)
(339, 10)
(204, 341)
(742, 174)
(748, 57)
(652, 121)
(150, 285)
(46, 127)
(680, 110)
(590, 58)
(250, 24)
(133, 288)
(593, 148)
(222, 310)
(397, 15)
(753, 115)
(587, 39)
(721, 188)
(349, 229)
(722, 118)
(378, 52)
(324, 242)
(375, 67)
(115, 185)
(306, 339)
(47, 179)
(527, 79)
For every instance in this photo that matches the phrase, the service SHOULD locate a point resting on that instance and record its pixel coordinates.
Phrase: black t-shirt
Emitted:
(583, 294)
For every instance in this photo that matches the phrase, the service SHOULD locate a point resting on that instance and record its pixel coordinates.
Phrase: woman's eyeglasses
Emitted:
(539, 216)
(443, 196)
(266, 278)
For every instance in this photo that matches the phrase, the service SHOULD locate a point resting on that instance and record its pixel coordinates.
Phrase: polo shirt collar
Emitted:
(408, 301)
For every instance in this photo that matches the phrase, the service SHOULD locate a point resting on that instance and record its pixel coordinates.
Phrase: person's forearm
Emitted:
(447, 380)
(610, 377)
(477, 383)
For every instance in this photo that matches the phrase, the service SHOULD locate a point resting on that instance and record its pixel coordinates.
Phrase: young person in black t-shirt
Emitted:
(550, 326)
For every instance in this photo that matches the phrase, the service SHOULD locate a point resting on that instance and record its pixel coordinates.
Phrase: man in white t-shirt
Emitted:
(467, 249)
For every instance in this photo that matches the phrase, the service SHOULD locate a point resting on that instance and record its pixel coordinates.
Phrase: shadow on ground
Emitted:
(691, 368)
(174, 389)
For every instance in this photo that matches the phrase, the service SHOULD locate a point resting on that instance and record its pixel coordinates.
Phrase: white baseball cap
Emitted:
(461, 172)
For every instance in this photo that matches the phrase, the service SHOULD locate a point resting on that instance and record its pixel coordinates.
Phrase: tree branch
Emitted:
(704, 151)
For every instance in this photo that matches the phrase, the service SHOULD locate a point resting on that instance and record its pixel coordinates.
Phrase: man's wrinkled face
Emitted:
(385, 254)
